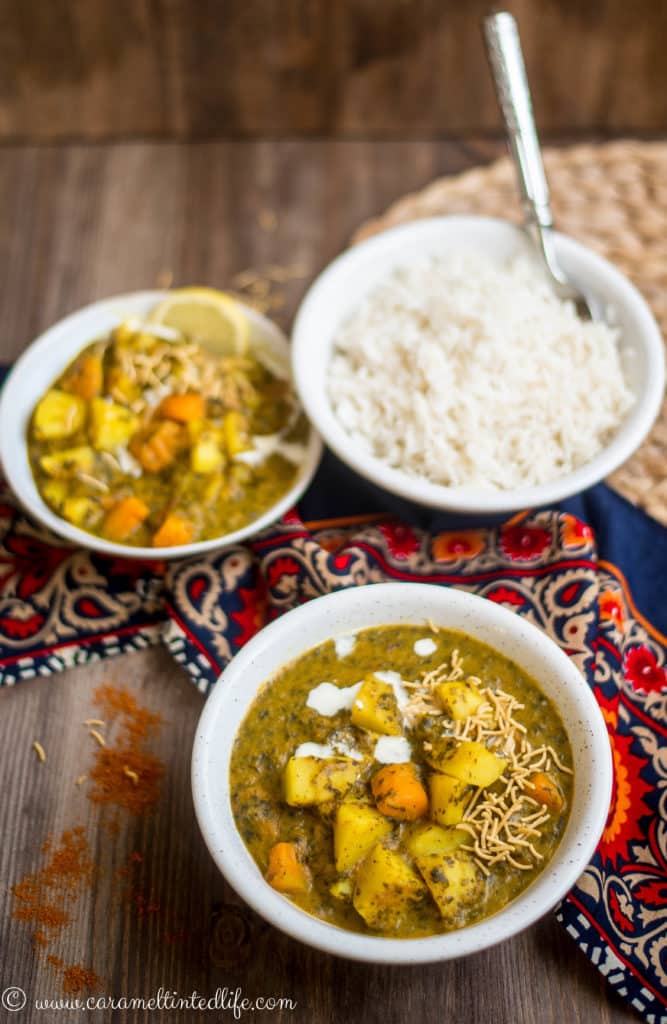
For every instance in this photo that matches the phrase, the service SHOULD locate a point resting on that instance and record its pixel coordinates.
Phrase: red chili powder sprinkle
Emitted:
(124, 774)
(111, 784)
(136, 722)
(77, 980)
(42, 897)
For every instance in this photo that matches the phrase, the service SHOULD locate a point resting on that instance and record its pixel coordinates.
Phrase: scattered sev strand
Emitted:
(39, 750)
(98, 737)
(130, 774)
(503, 825)
(95, 721)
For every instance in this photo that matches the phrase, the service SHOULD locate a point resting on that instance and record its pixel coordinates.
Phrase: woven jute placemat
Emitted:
(612, 197)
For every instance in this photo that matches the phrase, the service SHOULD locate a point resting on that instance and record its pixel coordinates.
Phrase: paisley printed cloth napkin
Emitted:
(581, 573)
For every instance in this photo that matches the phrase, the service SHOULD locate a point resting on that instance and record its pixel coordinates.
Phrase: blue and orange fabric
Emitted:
(591, 574)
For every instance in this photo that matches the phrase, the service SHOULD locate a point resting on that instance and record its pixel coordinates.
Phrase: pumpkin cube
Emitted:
(125, 518)
(285, 872)
(543, 788)
(174, 530)
(375, 708)
(87, 377)
(398, 792)
(357, 829)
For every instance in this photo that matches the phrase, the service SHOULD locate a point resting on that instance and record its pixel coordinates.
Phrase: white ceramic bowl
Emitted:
(50, 354)
(382, 604)
(345, 283)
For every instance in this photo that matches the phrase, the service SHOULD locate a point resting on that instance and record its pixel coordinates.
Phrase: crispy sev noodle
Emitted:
(503, 824)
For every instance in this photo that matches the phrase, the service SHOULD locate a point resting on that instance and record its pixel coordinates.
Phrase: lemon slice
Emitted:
(210, 317)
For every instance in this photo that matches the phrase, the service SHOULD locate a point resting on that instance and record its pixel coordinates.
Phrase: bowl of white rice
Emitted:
(437, 362)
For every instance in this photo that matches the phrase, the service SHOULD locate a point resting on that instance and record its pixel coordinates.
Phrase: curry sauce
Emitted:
(377, 823)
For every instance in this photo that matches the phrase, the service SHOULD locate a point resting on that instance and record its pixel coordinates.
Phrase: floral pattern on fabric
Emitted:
(618, 909)
(60, 606)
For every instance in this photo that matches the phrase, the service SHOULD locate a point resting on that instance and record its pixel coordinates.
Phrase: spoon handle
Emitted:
(509, 76)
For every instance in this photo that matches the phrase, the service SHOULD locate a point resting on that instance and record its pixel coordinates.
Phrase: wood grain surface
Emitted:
(352, 68)
(81, 222)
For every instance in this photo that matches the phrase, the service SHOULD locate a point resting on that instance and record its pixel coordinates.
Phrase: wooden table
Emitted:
(81, 222)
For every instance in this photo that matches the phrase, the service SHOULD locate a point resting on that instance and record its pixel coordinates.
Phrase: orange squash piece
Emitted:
(124, 518)
(285, 872)
(399, 793)
(174, 531)
(87, 379)
(544, 789)
(161, 447)
(183, 408)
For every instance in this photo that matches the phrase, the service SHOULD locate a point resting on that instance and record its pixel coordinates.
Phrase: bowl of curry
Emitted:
(135, 439)
(401, 773)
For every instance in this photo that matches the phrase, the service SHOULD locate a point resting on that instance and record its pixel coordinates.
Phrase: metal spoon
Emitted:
(509, 76)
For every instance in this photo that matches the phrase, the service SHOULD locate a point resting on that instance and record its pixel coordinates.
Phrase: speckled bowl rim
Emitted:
(49, 355)
(381, 604)
(345, 282)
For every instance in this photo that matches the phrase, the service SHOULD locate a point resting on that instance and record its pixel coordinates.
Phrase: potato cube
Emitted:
(429, 839)
(111, 424)
(122, 387)
(58, 415)
(474, 764)
(206, 455)
(55, 492)
(335, 778)
(385, 888)
(80, 511)
(316, 780)
(357, 829)
(449, 797)
(69, 462)
(458, 698)
(235, 432)
(124, 334)
(375, 708)
(342, 889)
(453, 879)
(299, 781)
(285, 872)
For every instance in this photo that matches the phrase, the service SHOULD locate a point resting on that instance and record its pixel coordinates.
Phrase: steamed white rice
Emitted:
(469, 373)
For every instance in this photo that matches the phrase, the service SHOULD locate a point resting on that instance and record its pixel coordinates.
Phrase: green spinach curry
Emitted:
(153, 440)
(402, 782)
